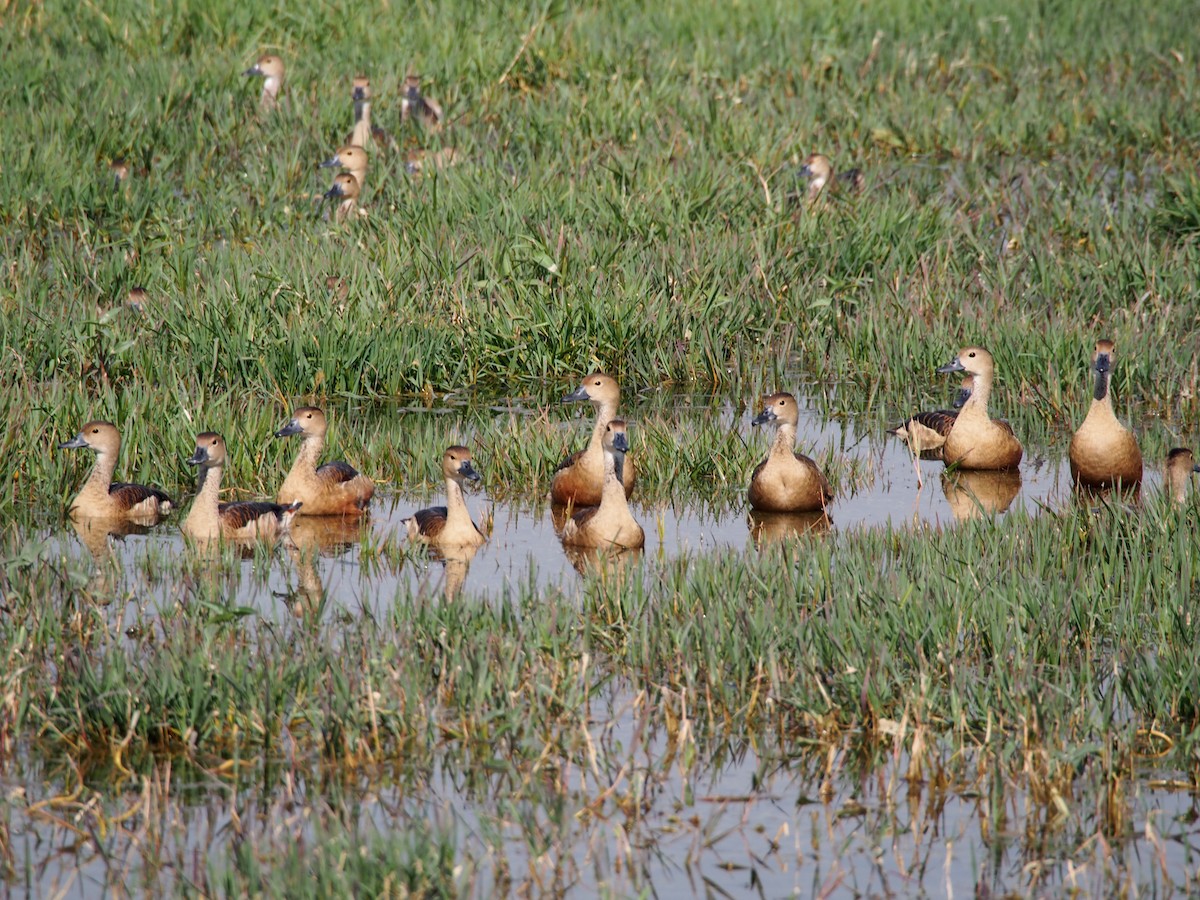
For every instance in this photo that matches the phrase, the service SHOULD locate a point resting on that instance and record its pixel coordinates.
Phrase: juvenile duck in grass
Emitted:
(353, 158)
(1180, 466)
(138, 300)
(925, 433)
(365, 134)
(417, 160)
(1104, 452)
(415, 105)
(345, 190)
(786, 481)
(209, 519)
(449, 525)
(976, 440)
(333, 489)
(100, 498)
(818, 170)
(610, 524)
(579, 479)
(270, 68)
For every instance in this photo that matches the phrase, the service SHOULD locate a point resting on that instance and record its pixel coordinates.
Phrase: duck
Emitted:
(345, 188)
(417, 160)
(1104, 452)
(270, 68)
(579, 479)
(333, 489)
(786, 481)
(100, 498)
(610, 524)
(137, 299)
(415, 105)
(209, 519)
(365, 134)
(818, 169)
(976, 440)
(353, 158)
(119, 169)
(925, 432)
(1180, 466)
(449, 525)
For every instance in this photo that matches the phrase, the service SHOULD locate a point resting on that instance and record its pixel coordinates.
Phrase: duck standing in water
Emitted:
(100, 497)
(1104, 453)
(976, 440)
(209, 519)
(786, 481)
(610, 524)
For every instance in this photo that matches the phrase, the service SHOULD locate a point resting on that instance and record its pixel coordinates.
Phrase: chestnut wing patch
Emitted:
(242, 513)
(337, 472)
(431, 521)
(130, 495)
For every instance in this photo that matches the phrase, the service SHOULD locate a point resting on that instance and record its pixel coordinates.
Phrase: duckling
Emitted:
(413, 104)
(345, 187)
(270, 68)
(119, 169)
(786, 481)
(365, 134)
(925, 432)
(818, 170)
(1180, 466)
(208, 519)
(1103, 451)
(353, 158)
(579, 479)
(99, 498)
(976, 440)
(449, 525)
(333, 489)
(610, 524)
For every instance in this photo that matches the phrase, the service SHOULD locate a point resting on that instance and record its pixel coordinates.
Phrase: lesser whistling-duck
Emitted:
(925, 432)
(976, 440)
(354, 159)
(579, 479)
(1103, 451)
(365, 134)
(345, 190)
(333, 489)
(818, 169)
(786, 481)
(209, 519)
(449, 525)
(99, 497)
(610, 524)
(137, 300)
(270, 68)
(415, 105)
(1180, 466)
(119, 170)
(417, 160)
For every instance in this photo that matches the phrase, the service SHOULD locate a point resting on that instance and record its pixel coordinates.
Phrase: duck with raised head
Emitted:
(579, 479)
(786, 481)
(209, 519)
(610, 524)
(332, 489)
(100, 497)
(818, 169)
(976, 440)
(365, 134)
(449, 525)
(415, 105)
(344, 191)
(1181, 464)
(353, 158)
(270, 69)
(1104, 452)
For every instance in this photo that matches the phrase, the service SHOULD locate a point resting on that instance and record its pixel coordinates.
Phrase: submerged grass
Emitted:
(623, 203)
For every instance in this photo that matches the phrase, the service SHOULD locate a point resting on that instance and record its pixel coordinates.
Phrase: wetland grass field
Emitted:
(943, 694)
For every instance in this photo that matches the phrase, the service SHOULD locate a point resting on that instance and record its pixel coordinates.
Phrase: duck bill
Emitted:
(253, 70)
(333, 192)
(76, 443)
(1103, 368)
(330, 163)
(292, 427)
(621, 443)
(576, 395)
(198, 458)
(767, 415)
(466, 470)
(955, 365)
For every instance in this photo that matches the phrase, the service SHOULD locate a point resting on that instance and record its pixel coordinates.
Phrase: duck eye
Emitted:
(971, 355)
(95, 431)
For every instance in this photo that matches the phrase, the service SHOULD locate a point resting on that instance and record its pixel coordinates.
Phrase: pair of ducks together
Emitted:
(1103, 453)
(334, 488)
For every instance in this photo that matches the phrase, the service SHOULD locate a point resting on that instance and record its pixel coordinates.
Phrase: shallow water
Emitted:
(730, 825)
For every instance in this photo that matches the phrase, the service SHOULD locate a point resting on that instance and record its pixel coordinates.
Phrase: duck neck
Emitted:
(102, 473)
(208, 487)
(977, 403)
(360, 175)
(457, 514)
(612, 494)
(1177, 482)
(310, 453)
(785, 440)
(362, 112)
(606, 411)
(270, 91)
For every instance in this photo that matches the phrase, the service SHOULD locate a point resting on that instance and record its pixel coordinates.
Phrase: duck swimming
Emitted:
(449, 525)
(1104, 452)
(786, 481)
(610, 524)
(209, 519)
(976, 440)
(100, 497)
(333, 489)
(579, 479)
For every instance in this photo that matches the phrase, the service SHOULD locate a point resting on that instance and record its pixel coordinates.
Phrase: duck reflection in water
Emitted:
(776, 527)
(311, 538)
(94, 534)
(973, 494)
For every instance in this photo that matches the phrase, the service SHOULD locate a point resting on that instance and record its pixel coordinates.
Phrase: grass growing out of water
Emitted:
(622, 204)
